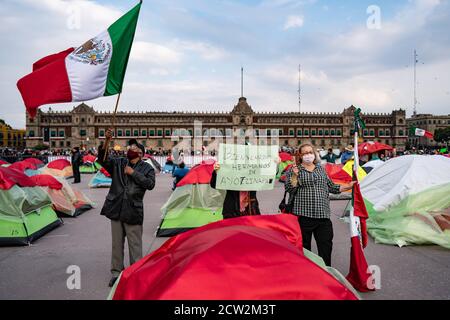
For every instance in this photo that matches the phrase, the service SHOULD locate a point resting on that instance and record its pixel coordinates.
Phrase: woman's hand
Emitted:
(216, 166)
(347, 187)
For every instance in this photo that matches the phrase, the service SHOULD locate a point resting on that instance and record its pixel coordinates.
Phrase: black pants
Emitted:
(323, 233)
(76, 174)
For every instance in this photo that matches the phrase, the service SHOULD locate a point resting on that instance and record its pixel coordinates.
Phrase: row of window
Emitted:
(219, 132)
(143, 133)
(420, 122)
(61, 144)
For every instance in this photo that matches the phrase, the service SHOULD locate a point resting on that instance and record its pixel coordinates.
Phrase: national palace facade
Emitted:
(83, 126)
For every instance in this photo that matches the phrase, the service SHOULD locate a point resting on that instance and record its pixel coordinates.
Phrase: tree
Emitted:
(40, 147)
(442, 135)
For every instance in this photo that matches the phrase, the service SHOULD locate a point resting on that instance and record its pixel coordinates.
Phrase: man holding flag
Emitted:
(95, 69)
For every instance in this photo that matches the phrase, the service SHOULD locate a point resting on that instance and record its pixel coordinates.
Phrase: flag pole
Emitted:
(354, 220)
(108, 140)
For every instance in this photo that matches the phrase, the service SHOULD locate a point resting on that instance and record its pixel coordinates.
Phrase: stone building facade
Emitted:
(11, 138)
(429, 123)
(86, 127)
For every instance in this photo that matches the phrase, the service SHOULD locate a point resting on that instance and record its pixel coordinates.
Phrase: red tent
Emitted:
(372, 147)
(245, 258)
(3, 162)
(59, 164)
(199, 174)
(89, 158)
(10, 177)
(23, 165)
(46, 180)
(34, 161)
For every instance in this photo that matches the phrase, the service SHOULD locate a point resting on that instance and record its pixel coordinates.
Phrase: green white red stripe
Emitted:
(94, 69)
(421, 133)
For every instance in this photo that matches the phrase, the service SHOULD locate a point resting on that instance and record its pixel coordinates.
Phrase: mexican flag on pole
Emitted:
(94, 69)
(359, 275)
(421, 133)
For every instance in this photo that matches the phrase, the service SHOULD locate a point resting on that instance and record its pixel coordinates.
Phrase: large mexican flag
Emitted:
(94, 69)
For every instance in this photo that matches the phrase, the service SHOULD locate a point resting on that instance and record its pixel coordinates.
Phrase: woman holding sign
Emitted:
(236, 203)
(310, 186)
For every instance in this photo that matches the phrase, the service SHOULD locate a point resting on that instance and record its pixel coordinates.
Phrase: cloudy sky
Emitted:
(187, 55)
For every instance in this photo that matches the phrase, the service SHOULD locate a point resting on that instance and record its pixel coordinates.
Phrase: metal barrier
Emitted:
(190, 161)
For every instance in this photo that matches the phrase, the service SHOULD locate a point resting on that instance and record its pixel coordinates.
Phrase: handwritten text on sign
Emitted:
(246, 168)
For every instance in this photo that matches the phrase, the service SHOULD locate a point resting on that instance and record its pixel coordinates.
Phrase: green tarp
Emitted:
(25, 214)
(191, 206)
(421, 218)
(90, 168)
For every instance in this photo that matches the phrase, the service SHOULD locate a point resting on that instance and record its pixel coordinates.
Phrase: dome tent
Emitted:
(102, 179)
(26, 212)
(89, 164)
(38, 163)
(408, 201)
(58, 168)
(193, 203)
(268, 246)
(66, 200)
(369, 166)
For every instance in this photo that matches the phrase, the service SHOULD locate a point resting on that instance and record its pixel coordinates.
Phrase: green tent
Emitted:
(90, 167)
(25, 215)
(193, 203)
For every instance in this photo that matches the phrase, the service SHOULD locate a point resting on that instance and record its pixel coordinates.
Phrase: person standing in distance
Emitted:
(131, 177)
(76, 162)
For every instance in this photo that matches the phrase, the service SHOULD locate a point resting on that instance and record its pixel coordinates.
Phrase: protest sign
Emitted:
(246, 167)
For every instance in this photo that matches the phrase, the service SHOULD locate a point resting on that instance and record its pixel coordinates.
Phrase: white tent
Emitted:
(403, 176)
(408, 200)
(373, 164)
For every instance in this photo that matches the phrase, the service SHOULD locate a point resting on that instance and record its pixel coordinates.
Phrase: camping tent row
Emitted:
(32, 166)
(195, 203)
(102, 179)
(30, 204)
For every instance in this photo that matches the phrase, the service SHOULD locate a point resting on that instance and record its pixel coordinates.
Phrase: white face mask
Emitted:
(308, 158)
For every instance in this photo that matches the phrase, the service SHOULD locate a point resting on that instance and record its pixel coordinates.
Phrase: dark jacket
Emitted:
(124, 201)
(231, 204)
(330, 158)
(76, 159)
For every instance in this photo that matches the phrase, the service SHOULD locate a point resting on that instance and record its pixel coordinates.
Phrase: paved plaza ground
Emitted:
(39, 271)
